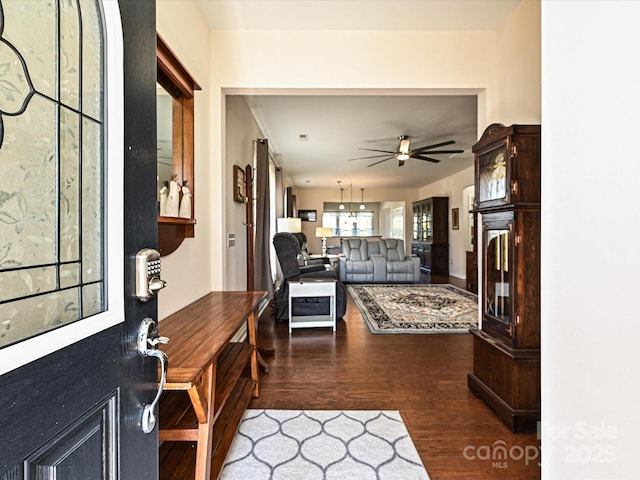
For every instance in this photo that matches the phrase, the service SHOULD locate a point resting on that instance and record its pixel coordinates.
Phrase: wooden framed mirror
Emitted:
(175, 99)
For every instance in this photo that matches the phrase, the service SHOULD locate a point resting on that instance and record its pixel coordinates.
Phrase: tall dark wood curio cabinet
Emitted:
(431, 234)
(506, 349)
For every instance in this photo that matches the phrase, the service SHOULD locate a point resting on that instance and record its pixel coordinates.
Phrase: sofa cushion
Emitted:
(355, 249)
(374, 247)
(392, 249)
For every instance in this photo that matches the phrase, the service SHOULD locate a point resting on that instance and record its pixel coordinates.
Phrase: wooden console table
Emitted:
(211, 378)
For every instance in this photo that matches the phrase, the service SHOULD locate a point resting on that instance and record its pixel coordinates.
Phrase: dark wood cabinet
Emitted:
(506, 364)
(430, 241)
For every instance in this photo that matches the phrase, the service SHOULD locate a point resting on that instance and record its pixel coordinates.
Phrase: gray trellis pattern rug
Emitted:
(411, 308)
(322, 445)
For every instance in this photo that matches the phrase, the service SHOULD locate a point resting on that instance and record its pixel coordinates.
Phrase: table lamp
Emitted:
(292, 225)
(323, 233)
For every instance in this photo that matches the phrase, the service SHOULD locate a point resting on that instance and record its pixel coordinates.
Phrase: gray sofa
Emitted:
(377, 261)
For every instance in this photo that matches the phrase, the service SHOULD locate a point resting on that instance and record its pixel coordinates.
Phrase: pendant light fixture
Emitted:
(341, 206)
(362, 207)
(353, 220)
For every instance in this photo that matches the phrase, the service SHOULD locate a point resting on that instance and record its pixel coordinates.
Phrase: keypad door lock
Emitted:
(148, 281)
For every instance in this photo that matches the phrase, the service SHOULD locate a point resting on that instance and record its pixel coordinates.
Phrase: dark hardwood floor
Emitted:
(422, 376)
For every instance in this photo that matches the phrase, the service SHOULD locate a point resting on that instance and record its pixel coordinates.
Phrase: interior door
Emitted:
(77, 201)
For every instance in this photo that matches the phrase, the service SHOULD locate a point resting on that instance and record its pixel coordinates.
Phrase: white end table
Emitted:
(333, 259)
(313, 287)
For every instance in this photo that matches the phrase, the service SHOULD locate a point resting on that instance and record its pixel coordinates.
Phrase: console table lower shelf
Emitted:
(211, 378)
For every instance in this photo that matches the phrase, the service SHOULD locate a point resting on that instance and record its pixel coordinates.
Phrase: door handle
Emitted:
(148, 340)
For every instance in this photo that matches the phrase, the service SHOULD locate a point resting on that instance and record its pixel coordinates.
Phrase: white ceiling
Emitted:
(338, 125)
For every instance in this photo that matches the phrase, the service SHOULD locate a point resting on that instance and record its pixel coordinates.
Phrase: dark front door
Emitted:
(77, 202)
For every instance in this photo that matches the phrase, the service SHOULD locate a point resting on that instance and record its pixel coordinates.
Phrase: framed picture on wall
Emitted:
(308, 215)
(455, 218)
(239, 192)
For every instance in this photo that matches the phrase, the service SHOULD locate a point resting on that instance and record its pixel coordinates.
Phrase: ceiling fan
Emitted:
(404, 152)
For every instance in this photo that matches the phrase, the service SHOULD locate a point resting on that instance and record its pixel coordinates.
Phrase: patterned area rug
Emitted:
(415, 308)
(322, 445)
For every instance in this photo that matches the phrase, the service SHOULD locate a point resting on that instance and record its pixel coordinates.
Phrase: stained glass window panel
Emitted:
(69, 185)
(31, 27)
(92, 217)
(24, 318)
(92, 60)
(92, 300)
(69, 53)
(51, 166)
(25, 282)
(28, 218)
(70, 275)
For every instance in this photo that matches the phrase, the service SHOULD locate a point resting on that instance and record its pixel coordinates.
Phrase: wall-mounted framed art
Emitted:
(308, 215)
(455, 218)
(239, 190)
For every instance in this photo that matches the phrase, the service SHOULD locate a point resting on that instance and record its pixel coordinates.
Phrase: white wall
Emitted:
(590, 229)
(241, 130)
(187, 270)
(259, 59)
(518, 83)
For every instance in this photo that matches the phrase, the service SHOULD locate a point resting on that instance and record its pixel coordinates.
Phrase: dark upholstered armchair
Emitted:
(304, 250)
(292, 265)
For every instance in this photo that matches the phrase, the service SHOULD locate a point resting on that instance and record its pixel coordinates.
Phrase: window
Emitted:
(52, 206)
(349, 224)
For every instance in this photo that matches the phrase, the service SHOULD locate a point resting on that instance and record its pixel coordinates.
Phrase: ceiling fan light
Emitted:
(404, 145)
(403, 156)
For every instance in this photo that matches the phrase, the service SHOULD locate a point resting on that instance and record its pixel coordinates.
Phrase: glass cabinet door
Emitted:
(498, 274)
(427, 222)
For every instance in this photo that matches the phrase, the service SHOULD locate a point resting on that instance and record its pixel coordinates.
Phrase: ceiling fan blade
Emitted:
(435, 145)
(372, 150)
(440, 151)
(428, 159)
(380, 161)
(372, 156)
